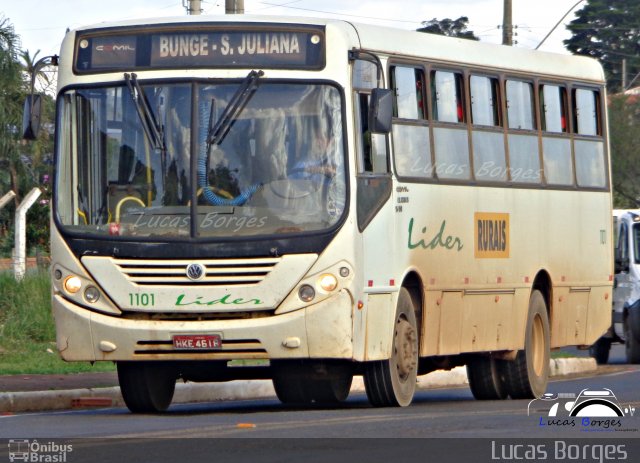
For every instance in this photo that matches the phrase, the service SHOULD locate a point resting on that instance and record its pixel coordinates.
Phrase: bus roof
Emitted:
(397, 42)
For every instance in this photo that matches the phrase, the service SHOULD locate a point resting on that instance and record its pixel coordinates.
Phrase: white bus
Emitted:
(331, 199)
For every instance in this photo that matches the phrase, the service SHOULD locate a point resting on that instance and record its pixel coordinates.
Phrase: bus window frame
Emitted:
(425, 121)
(498, 128)
(601, 135)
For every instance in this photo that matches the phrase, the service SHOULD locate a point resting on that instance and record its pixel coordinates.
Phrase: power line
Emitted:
(342, 14)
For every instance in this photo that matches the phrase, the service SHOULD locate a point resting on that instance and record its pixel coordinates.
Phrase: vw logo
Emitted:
(195, 272)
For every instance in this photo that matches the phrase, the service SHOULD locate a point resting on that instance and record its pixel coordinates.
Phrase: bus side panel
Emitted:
(559, 319)
(380, 311)
(451, 320)
(487, 322)
(599, 316)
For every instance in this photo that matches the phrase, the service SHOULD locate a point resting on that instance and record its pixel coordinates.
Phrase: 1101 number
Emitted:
(142, 299)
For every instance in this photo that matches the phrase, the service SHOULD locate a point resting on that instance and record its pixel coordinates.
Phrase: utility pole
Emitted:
(234, 6)
(624, 74)
(194, 7)
(507, 23)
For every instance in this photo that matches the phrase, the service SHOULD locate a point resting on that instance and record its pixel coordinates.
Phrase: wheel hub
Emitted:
(405, 348)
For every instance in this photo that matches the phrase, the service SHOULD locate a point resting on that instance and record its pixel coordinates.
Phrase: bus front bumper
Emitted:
(322, 330)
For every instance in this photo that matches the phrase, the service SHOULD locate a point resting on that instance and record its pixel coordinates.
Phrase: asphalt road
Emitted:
(435, 413)
(262, 431)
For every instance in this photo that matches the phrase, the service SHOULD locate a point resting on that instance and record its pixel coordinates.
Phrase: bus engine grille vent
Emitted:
(213, 272)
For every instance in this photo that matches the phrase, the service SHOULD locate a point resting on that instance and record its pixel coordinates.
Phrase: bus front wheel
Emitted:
(146, 387)
(392, 382)
(526, 377)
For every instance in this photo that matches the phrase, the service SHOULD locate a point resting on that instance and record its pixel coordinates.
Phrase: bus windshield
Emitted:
(279, 166)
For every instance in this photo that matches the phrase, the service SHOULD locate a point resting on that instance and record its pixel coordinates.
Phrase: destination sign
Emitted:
(283, 47)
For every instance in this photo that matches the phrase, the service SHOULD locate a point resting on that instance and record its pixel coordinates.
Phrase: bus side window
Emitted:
(450, 133)
(411, 139)
(372, 148)
(447, 92)
(524, 157)
(588, 145)
(556, 149)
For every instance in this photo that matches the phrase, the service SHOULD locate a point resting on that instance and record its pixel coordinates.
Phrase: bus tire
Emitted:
(600, 350)
(299, 385)
(485, 378)
(527, 376)
(631, 341)
(392, 382)
(146, 387)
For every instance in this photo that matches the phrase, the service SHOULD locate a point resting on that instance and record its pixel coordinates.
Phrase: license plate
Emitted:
(197, 341)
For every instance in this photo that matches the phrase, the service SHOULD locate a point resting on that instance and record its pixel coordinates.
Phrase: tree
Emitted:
(10, 104)
(624, 119)
(449, 27)
(22, 165)
(608, 30)
(41, 79)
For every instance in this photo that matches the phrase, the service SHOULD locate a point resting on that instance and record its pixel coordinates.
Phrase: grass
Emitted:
(27, 330)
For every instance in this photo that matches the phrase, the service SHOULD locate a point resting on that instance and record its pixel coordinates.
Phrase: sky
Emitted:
(41, 24)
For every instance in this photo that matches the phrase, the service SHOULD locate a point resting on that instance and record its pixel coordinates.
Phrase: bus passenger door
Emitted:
(374, 205)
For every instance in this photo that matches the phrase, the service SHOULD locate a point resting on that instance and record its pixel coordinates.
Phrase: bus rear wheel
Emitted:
(392, 382)
(485, 378)
(146, 387)
(600, 350)
(526, 377)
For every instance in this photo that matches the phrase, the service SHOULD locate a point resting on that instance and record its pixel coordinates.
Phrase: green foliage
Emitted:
(23, 165)
(449, 27)
(624, 120)
(608, 31)
(25, 309)
(27, 330)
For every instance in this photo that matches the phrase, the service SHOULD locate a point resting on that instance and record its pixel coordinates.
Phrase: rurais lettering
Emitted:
(491, 235)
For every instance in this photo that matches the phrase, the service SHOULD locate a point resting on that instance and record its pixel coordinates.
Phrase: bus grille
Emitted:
(218, 272)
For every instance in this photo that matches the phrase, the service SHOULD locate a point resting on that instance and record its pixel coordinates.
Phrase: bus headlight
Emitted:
(328, 282)
(306, 293)
(72, 284)
(91, 294)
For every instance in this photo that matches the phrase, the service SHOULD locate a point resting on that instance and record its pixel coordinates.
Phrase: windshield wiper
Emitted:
(216, 132)
(151, 126)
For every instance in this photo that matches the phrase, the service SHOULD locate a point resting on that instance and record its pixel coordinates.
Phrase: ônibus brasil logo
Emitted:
(41, 452)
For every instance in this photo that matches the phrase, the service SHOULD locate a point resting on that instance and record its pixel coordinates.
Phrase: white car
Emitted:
(625, 326)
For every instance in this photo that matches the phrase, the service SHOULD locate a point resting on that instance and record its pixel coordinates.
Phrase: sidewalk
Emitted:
(21, 393)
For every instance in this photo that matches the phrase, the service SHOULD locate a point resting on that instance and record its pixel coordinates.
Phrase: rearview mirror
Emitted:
(380, 110)
(621, 264)
(31, 117)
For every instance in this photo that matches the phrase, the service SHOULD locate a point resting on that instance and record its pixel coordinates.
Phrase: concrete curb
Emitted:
(12, 402)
